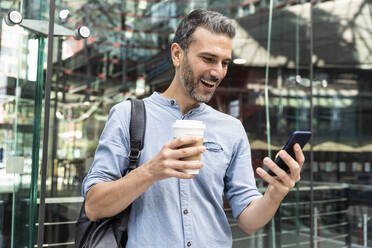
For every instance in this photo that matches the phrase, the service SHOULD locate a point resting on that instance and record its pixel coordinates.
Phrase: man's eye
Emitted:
(225, 64)
(209, 60)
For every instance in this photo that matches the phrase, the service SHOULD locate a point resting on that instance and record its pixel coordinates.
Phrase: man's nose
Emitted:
(217, 71)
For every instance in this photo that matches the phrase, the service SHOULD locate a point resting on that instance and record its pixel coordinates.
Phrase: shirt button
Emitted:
(185, 211)
(189, 244)
(172, 102)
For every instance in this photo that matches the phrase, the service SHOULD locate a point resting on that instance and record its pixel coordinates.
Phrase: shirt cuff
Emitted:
(237, 207)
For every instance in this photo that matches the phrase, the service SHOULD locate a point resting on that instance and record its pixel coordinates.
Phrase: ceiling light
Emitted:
(63, 14)
(13, 17)
(59, 115)
(239, 61)
(142, 5)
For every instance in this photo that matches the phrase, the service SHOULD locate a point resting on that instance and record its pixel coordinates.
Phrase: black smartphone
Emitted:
(300, 137)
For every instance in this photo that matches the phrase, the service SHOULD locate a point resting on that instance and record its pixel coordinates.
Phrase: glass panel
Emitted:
(127, 55)
(342, 99)
(269, 123)
(290, 111)
(21, 66)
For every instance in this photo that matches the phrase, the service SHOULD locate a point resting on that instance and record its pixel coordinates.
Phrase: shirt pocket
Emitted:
(213, 146)
(215, 160)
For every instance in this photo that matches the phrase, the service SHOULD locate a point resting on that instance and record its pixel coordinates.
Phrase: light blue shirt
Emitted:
(178, 212)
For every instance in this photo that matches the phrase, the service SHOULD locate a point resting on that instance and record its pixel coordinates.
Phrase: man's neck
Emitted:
(184, 101)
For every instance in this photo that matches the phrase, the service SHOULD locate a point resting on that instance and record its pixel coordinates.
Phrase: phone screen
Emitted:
(300, 137)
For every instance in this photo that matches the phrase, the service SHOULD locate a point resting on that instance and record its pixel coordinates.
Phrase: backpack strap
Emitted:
(136, 132)
(86, 229)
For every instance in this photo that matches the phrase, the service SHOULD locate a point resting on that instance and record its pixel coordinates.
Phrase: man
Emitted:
(171, 208)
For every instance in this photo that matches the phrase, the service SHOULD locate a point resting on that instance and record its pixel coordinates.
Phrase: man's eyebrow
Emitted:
(208, 54)
(212, 55)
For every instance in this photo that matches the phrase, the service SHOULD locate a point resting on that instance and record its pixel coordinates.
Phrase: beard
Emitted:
(190, 83)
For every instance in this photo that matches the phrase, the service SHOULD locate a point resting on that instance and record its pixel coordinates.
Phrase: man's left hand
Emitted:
(280, 185)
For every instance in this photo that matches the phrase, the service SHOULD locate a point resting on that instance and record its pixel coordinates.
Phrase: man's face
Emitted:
(205, 64)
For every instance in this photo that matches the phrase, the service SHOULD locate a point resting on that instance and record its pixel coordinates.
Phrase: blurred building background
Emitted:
(312, 59)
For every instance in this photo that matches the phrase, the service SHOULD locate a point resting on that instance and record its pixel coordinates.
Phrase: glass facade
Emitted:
(298, 65)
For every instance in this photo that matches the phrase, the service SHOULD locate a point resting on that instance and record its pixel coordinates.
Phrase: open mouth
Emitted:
(207, 84)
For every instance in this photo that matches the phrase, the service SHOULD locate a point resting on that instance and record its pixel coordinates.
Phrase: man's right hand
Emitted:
(167, 163)
(109, 198)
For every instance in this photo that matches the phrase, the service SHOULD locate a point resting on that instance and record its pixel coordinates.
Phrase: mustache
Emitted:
(211, 78)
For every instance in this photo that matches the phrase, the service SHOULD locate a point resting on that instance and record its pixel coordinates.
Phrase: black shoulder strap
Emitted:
(136, 131)
(84, 227)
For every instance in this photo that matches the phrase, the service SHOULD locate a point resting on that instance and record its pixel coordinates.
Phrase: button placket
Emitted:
(185, 205)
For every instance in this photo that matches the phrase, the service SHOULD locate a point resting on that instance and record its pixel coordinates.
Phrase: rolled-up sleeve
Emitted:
(240, 184)
(111, 157)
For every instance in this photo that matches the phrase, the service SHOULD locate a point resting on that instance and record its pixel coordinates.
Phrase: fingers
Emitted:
(185, 140)
(294, 167)
(183, 147)
(181, 165)
(281, 190)
(167, 153)
(178, 155)
(265, 176)
(174, 168)
(299, 154)
(182, 175)
(187, 152)
(281, 175)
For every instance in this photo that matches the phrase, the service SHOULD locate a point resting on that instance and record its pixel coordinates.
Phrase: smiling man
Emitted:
(171, 208)
(200, 64)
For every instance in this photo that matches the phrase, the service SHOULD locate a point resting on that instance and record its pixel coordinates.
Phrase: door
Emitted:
(21, 84)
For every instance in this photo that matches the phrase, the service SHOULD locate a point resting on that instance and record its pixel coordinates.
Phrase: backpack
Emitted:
(112, 231)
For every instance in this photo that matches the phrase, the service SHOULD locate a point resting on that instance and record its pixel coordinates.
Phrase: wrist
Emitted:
(146, 172)
(274, 197)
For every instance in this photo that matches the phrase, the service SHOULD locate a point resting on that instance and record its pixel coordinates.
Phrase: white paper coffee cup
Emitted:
(194, 128)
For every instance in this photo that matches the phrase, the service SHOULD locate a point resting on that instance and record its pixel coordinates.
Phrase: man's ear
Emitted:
(177, 54)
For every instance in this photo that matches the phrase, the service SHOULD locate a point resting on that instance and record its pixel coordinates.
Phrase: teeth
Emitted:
(210, 84)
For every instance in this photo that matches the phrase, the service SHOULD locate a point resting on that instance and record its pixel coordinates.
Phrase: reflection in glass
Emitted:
(127, 55)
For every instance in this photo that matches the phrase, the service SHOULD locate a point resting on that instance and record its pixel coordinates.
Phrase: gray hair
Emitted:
(213, 21)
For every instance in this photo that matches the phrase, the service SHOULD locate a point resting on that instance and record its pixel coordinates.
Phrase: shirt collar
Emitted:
(159, 99)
